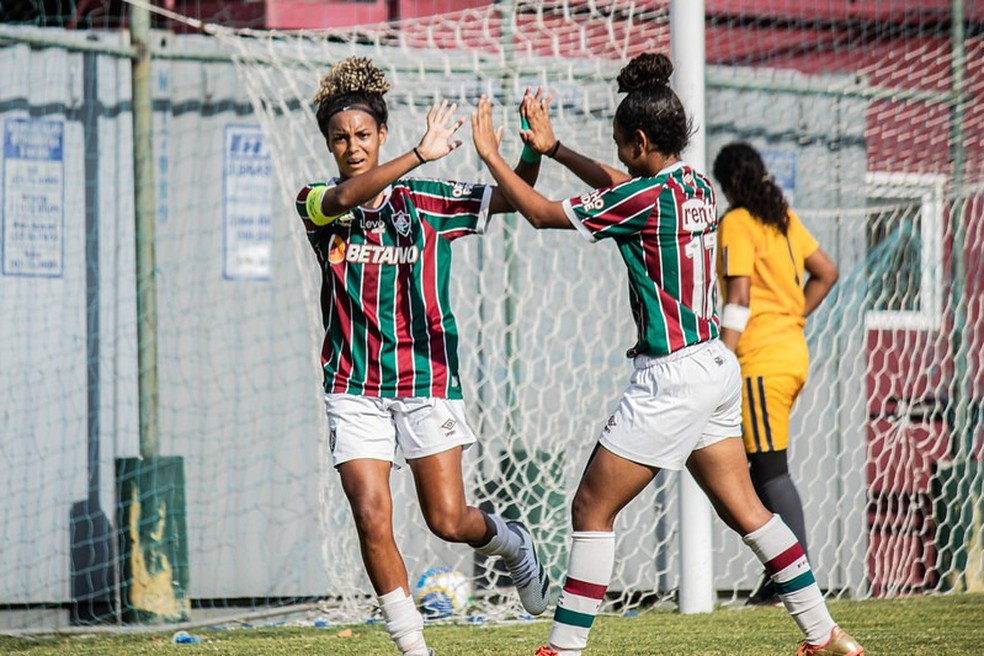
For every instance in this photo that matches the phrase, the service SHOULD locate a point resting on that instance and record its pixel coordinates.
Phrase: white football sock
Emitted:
(589, 571)
(784, 560)
(404, 623)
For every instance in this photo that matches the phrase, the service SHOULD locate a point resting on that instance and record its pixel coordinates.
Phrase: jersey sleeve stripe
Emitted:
(484, 216)
(618, 226)
(628, 208)
(576, 222)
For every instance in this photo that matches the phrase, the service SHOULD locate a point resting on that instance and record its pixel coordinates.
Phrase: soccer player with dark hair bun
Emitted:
(764, 255)
(682, 407)
(390, 359)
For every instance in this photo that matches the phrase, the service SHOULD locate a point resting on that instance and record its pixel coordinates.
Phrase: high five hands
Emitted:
(436, 142)
(441, 127)
(485, 135)
(538, 136)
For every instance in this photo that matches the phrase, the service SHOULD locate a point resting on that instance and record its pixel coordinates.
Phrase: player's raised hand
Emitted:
(441, 127)
(538, 134)
(484, 133)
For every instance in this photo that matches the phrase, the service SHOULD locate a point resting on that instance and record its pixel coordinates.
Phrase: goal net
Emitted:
(870, 118)
(837, 104)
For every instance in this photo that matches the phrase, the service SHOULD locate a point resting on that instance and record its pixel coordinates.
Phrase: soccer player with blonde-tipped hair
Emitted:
(390, 358)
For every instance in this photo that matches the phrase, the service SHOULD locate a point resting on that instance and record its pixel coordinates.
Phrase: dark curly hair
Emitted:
(356, 83)
(745, 181)
(651, 105)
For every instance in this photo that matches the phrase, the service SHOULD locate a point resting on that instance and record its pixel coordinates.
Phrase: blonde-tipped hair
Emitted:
(352, 75)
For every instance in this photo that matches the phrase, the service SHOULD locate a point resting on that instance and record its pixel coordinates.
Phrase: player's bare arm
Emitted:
(823, 274)
(529, 171)
(539, 211)
(436, 143)
(540, 137)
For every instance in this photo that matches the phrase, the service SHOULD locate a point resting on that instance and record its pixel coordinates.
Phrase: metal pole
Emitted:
(143, 190)
(958, 65)
(511, 237)
(959, 479)
(687, 51)
(962, 438)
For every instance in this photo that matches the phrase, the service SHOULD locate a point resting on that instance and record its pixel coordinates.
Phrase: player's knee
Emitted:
(447, 518)
(579, 509)
(588, 515)
(372, 518)
(745, 516)
(448, 527)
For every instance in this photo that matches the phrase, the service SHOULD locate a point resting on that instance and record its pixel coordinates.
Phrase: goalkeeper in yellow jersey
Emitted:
(774, 275)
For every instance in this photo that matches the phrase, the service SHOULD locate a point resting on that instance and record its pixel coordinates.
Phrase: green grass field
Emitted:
(937, 625)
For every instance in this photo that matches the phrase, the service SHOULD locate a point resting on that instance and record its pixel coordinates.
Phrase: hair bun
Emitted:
(352, 75)
(650, 70)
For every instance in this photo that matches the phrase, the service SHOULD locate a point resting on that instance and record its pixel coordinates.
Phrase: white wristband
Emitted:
(735, 317)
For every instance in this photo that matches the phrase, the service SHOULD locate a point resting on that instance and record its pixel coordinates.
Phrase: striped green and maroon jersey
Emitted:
(665, 227)
(389, 329)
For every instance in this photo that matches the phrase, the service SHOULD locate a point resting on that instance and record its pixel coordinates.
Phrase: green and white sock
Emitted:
(589, 571)
(784, 560)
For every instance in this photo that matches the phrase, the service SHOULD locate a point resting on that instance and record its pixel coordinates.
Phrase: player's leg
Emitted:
(649, 430)
(720, 467)
(775, 487)
(440, 490)
(366, 486)
(609, 482)
(432, 434)
(766, 405)
(363, 444)
(721, 471)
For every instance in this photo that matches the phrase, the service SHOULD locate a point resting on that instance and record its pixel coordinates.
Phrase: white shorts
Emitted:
(676, 404)
(373, 427)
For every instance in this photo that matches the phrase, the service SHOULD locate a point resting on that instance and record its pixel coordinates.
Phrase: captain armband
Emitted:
(735, 317)
(313, 205)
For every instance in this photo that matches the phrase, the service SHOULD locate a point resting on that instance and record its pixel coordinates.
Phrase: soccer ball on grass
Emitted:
(442, 592)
